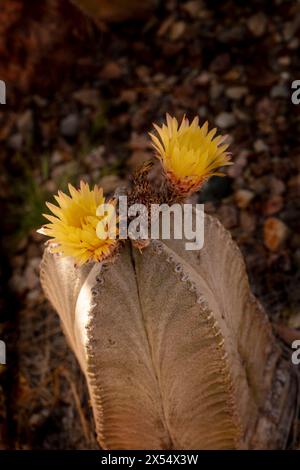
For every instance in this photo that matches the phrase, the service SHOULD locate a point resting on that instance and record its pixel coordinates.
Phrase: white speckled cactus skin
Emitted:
(177, 352)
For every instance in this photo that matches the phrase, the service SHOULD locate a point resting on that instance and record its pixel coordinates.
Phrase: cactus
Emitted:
(176, 350)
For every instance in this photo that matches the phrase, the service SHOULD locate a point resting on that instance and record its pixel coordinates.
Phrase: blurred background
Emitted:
(85, 80)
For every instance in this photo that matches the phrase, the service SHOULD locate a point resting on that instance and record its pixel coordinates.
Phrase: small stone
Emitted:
(225, 120)
(257, 24)
(260, 146)
(18, 283)
(94, 160)
(243, 197)
(273, 205)
(236, 170)
(62, 169)
(193, 7)
(39, 101)
(294, 320)
(31, 273)
(294, 182)
(111, 71)
(277, 186)
(294, 44)
(202, 111)
(284, 61)
(34, 296)
(177, 30)
(57, 157)
(17, 261)
(236, 92)
(203, 79)
(25, 122)
(280, 91)
(275, 233)
(128, 96)
(216, 90)
(289, 30)
(87, 97)
(69, 126)
(15, 141)
(220, 63)
(247, 221)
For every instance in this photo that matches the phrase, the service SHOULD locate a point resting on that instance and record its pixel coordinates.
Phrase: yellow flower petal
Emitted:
(189, 153)
(74, 223)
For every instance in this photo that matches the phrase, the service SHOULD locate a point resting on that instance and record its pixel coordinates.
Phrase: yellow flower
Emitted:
(189, 153)
(74, 225)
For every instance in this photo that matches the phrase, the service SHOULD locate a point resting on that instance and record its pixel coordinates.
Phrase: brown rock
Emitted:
(247, 221)
(111, 71)
(193, 8)
(243, 197)
(273, 205)
(236, 92)
(225, 120)
(277, 186)
(87, 97)
(257, 24)
(275, 232)
(177, 30)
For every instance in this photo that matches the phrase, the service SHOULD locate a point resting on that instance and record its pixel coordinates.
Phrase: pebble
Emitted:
(294, 320)
(247, 221)
(69, 126)
(15, 142)
(257, 24)
(57, 157)
(275, 233)
(284, 60)
(236, 92)
(177, 30)
(203, 79)
(18, 283)
(25, 122)
(192, 7)
(280, 91)
(260, 146)
(273, 205)
(95, 160)
(243, 197)
(111, 71)
(216, 90)
(225, 120)
(87, 97)
(277, 186)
